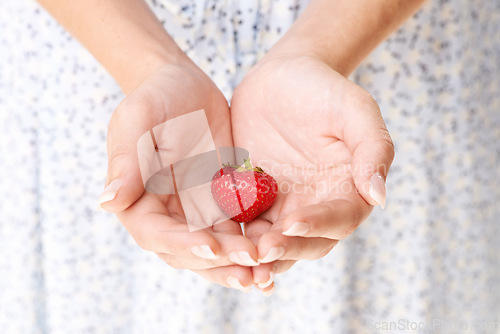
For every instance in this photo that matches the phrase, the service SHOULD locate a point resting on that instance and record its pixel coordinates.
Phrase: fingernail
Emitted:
(269, 293)
(273, 254)
(377, 189)
(109, 193)
(269, 281)
(236, 284)
(297, 229)
(204, 251)
(242, 258)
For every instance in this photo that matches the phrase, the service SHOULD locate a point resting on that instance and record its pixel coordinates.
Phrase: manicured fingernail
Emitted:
(377, 189)
(204, 251)
(297, 229)
(109, 192)
(273, 254)
(269, 293)
(269, 281)
(242, 258)
(236, 284)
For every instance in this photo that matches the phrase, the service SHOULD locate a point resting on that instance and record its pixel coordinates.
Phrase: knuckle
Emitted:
(356, 218)
(275, 239)
(387, 143)
(326, 209)
(283, 266)
(343, 234)
(340, 228)
(349, 229)
(211, 264)
(355, 221)
(118, 151)
(325, 250)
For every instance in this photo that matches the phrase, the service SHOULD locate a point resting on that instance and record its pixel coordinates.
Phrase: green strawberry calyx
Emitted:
(247, 166)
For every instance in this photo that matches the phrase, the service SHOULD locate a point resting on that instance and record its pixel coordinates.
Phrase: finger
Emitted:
(154, 229)
(366, 136)
(198, 249)
(276, 246)
(235, 277)
(193, 262)
(253, 231)
(150, 224)
(159, 233)
(163, 234)
(124, 181)
(334, 219)
(188, 262)
(237, 248)
(256, 228)
(269, 290)
(282, 266)
(266, 273)
(233, 249)
(228, 227)
(278, 267)
(263, 275)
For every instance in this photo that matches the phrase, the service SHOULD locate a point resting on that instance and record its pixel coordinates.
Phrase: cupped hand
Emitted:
(324, 140)
(157, 222)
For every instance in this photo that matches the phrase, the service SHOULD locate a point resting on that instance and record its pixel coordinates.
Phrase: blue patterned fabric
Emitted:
(432, 255)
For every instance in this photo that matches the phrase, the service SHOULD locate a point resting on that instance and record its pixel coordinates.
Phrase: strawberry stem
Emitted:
(247, 166)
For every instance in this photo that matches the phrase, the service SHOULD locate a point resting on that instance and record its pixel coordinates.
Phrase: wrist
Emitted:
(297, 44)
(342, 33)
(321, 33)
(123, 35)
(139, 65)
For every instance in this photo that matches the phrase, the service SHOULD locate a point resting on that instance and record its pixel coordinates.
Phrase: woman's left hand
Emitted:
(324, 140)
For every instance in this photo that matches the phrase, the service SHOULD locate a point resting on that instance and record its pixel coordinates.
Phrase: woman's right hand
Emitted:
(157, 222)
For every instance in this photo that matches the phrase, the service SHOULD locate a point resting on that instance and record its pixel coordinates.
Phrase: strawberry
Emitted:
(243, 192)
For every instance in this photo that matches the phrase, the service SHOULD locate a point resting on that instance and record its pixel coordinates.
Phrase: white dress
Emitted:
(429, 263)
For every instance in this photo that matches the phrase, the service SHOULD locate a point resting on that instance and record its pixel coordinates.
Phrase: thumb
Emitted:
(124, 183)
(372, 151)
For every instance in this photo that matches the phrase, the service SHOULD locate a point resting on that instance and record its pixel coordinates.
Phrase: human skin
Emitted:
(298, 98)
(160, 83)
(325, 44)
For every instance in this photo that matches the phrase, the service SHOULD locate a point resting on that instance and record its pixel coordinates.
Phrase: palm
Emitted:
(158, 221)
(291, 114)
(170, 92)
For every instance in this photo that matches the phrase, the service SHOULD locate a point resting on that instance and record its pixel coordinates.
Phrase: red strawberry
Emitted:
(243, 192)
